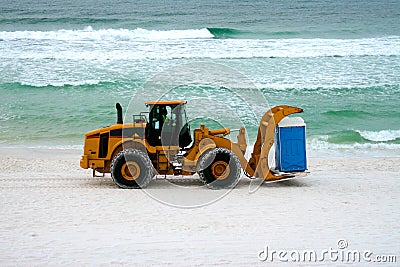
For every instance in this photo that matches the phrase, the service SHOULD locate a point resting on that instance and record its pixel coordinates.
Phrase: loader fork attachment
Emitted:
(258, 163)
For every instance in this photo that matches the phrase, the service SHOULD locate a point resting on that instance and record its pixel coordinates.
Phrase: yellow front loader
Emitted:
(160, 143)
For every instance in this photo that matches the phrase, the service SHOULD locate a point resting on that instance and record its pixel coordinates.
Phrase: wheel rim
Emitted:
(130, 170)
(220, 170)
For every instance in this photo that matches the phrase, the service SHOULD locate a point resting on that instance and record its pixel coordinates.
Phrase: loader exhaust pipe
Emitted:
(119, 113)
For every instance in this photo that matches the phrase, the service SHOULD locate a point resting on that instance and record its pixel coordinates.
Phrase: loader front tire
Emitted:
(219, 168)
(132, 168)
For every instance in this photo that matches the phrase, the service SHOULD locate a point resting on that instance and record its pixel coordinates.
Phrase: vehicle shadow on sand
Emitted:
(171, 182)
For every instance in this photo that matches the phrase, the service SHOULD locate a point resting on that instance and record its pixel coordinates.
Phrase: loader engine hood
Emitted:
(118, 131)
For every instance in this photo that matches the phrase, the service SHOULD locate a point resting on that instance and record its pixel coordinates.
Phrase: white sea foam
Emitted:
(106, 34)
(380, 136)
(317, 147)
(35, 83)
(124, 44)
(6, 117)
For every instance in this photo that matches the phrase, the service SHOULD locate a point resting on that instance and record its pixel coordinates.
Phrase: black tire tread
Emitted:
(234, 164)
(145, 161)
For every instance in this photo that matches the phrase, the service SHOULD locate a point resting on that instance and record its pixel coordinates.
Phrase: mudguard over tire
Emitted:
(132, 168)
(219, 168)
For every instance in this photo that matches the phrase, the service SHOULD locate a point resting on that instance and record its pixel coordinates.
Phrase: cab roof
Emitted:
(166, 102)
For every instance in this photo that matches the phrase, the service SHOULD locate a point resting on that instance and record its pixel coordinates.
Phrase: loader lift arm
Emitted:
(258, 163)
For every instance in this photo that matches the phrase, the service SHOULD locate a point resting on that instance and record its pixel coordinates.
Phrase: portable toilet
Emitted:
(290, 145)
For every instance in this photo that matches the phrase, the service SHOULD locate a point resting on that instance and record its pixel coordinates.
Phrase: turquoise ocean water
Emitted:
(64, 64)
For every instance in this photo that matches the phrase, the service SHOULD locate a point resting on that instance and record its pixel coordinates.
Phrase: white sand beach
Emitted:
(54, 213)
(64, 66)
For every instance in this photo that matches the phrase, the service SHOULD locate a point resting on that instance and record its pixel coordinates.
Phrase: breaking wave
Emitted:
(44, 85)
(214, 43)
(362, 137)
(227, 33)
(88, 33)
(381, 136)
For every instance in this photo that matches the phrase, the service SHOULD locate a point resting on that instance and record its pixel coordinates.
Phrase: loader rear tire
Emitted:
(132, 168)
(219, 168)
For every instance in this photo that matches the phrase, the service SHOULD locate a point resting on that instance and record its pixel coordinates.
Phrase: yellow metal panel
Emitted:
(96, 163)
(166, 102)
(84, 162)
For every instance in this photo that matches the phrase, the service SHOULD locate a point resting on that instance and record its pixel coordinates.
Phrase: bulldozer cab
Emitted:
(168, 124)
